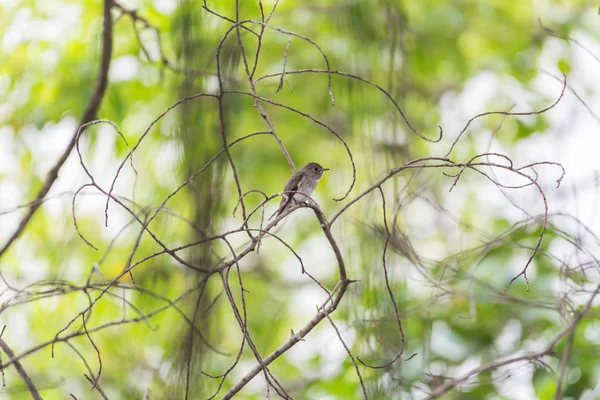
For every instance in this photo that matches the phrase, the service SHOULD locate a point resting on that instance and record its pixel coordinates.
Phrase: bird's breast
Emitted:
(305, 188)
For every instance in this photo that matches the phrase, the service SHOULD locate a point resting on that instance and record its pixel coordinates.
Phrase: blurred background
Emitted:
(449, 255)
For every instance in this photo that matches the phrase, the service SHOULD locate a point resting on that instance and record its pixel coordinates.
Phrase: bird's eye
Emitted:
(316, 169)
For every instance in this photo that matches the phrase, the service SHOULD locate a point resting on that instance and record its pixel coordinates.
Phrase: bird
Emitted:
(300, 186)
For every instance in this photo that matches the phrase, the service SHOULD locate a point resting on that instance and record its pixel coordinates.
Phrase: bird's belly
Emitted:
(304, 190)
(300, 198)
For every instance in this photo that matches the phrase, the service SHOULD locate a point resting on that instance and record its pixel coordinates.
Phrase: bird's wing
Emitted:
(292, 184)
(290, 187)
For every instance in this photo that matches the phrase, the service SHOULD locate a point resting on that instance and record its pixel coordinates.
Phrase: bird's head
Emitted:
(314, 169)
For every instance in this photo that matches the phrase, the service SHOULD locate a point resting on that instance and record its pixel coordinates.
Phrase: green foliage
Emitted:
(450, 296)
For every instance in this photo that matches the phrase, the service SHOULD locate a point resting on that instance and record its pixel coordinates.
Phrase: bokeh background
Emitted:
(451, 253)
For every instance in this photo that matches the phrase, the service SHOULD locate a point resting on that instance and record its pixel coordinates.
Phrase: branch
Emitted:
(19, 367)
(548, 350)
(442, 389)
(88, 115)
(322, 312)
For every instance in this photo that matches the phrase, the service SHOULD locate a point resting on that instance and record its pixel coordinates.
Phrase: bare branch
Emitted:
(19, 367)
(88, 115)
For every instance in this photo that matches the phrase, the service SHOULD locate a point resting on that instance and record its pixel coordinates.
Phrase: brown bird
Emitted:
(300, 186)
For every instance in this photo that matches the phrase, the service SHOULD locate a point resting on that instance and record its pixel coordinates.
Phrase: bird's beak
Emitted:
(325, 169)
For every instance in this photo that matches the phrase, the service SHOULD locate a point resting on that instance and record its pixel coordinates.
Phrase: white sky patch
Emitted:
(509, 338)
(165, 6)
(304, 302)
(318, 257)
(9, 4)
(56, 28)
(8, 151)
(515, 381)
(124, 68)
(469, 364)
(445, 342)
(50, 59)
(46, 145)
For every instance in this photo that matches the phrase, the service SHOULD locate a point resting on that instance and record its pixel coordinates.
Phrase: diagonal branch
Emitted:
(322, 312)
(19, 367)
(89, 114)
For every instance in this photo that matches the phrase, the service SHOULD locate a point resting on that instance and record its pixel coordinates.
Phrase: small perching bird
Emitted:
(300, 186)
